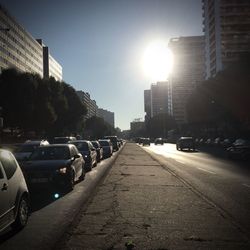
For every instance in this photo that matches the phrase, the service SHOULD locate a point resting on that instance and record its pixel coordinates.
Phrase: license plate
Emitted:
(39, 180)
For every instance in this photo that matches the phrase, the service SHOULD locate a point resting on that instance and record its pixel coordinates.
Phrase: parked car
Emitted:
(88, 152)
(107, 147)
(62, 139)
(185, 143)
(239, 150)
(99, 150)
(14, 194)
(57, 165)
(159, 141)
(23, 151)
(114, 141)
(226, 143)
(146, 141)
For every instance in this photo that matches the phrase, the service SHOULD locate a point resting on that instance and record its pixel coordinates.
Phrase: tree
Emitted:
(97, 128)
(159, 125)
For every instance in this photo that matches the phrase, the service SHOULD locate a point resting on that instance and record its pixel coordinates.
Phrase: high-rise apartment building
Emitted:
(227, 32)
(19, 50)
(156, 100)
(107, 116)
(188, 71)
(51, 68)
(89, 104)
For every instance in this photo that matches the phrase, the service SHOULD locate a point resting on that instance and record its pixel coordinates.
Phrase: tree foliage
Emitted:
(159, 125)
(97, 128)
(224, 98)
(41, 105)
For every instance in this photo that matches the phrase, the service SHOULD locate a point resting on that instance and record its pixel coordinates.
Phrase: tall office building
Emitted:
(156, 100)
(188, 71)
(89, 103)
(51, 68)
(227, 32)
(147, 104)
(19, 50)
(107, 116)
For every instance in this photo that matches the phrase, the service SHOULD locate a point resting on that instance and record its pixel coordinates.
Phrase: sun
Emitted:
(157, 61)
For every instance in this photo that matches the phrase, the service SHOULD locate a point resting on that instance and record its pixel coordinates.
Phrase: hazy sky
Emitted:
(100, 44)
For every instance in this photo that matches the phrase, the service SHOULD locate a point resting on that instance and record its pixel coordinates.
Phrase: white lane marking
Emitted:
(246, 185)
(211, 172)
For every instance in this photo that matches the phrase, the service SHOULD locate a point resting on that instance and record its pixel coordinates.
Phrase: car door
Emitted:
(77, 163)
(5, 199)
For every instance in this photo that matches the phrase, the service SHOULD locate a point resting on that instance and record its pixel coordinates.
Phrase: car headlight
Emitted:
(62, 170)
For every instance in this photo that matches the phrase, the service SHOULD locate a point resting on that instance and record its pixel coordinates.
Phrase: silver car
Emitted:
(14, 194)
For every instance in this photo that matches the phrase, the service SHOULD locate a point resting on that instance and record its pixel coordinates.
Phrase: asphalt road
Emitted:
(223, 182)
(150, 204)
(50, 216)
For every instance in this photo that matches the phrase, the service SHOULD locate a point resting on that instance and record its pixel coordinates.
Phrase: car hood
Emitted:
(45, 165)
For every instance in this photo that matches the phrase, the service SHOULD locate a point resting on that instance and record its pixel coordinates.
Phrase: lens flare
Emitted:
(158, 61)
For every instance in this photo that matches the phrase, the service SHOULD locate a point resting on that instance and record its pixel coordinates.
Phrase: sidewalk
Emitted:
(141, 203)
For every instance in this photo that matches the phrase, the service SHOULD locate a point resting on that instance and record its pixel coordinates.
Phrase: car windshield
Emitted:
(95, 144)
(50, 153)
(26, 148)
(81, 146)
(104, 143)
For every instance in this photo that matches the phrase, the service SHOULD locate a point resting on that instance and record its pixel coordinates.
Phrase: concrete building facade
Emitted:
(107, 116)
(226, 24)
(156, 100)
(19, 50)
(188, 71)
(89, 103)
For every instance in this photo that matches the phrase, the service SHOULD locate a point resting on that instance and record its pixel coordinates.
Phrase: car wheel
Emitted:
(71, 181)
(22, 214)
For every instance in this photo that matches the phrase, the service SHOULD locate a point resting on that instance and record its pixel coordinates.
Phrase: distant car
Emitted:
(107, 147)
(14, 194)
(62, 139)
(146, 141)
(240, 150)
(99, 150)
(185, 143)
(23, 151)
(88, 152)
(114, 141)
(56, 164)
(159, 141)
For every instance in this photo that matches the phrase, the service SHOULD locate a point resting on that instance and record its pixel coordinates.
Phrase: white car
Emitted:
(14, 194)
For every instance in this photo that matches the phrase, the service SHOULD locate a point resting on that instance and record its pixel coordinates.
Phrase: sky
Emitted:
(101, 43)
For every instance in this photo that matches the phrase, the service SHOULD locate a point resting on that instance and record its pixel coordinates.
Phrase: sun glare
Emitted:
(157, 61)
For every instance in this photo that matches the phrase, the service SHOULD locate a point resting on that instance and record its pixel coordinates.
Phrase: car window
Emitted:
(26, 148)
(74, 151)
(50, 153)
(9, 163)
(1, 172)
(82, 146)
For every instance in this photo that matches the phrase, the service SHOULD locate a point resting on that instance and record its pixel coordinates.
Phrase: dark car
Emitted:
(146, 141)
(23, 151)
(88, 152)
(107, 147)
(159, 141)
(62, 139)
(57, 165)
(99, 150)
(185, 143)
(114, 141)
(14, 194)
(239, 150)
